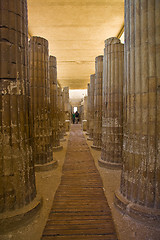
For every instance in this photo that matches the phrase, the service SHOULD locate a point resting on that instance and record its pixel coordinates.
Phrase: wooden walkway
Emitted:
(80, 210)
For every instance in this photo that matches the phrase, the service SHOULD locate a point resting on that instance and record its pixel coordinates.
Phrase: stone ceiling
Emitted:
(76, 30)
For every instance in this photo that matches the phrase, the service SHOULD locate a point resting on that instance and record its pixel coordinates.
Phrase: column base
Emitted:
(62, 140)
(9, 221)
(144, 214)
(84, 125)
(46, 167)
(109, 165)
(57, 149)
(90, 139)
(98, 148)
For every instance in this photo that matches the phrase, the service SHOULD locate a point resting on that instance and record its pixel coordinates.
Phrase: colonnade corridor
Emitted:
(77, 199)
(80, 209)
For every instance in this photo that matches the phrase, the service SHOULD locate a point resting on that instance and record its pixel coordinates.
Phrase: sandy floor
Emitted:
(47, 184)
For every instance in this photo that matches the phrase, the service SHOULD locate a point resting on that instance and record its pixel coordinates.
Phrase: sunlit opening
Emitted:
(75, 109)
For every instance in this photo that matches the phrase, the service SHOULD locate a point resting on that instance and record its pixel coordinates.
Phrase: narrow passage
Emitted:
(80, 209)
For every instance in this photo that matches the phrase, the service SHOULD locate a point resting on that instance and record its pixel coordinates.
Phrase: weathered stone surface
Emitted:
(85, 108)
(91, 106)
(66, 103)
(84, 114)
(81, 111)
(61, 113)
(54, 103)
(17, 176)
(139, 193)
(67, 108)
(97, 130)
(88, 107)
(40, 101)
(112, 119)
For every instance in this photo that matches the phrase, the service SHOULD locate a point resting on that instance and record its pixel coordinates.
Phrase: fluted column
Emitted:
(84, 117)
(17, 175)
(67, 114)
(139, 194)
(81, 112)
(85, 108)
(61, 114)
(88, 107)
(97, 129)
(40, 104)
(91, 104)
(54, 103)
(112, 123)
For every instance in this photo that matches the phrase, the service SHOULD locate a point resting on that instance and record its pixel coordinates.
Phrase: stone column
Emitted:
(81, 111)
(84, 119)
(85, 107)
(61, 114)
(40, 104)
(91, 104)
(88, 108)
(112, 123)
(54, 103)
(97, 130)
(67, 113)
(17, 176)
(139, 194)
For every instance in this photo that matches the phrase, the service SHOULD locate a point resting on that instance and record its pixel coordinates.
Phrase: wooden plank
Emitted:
(77, 222)
(76, 227)
(78, 216)
(81, 237)
(80, 209)
(99, 231)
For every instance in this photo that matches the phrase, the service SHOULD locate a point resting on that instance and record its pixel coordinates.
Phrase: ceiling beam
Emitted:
(120, 32)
